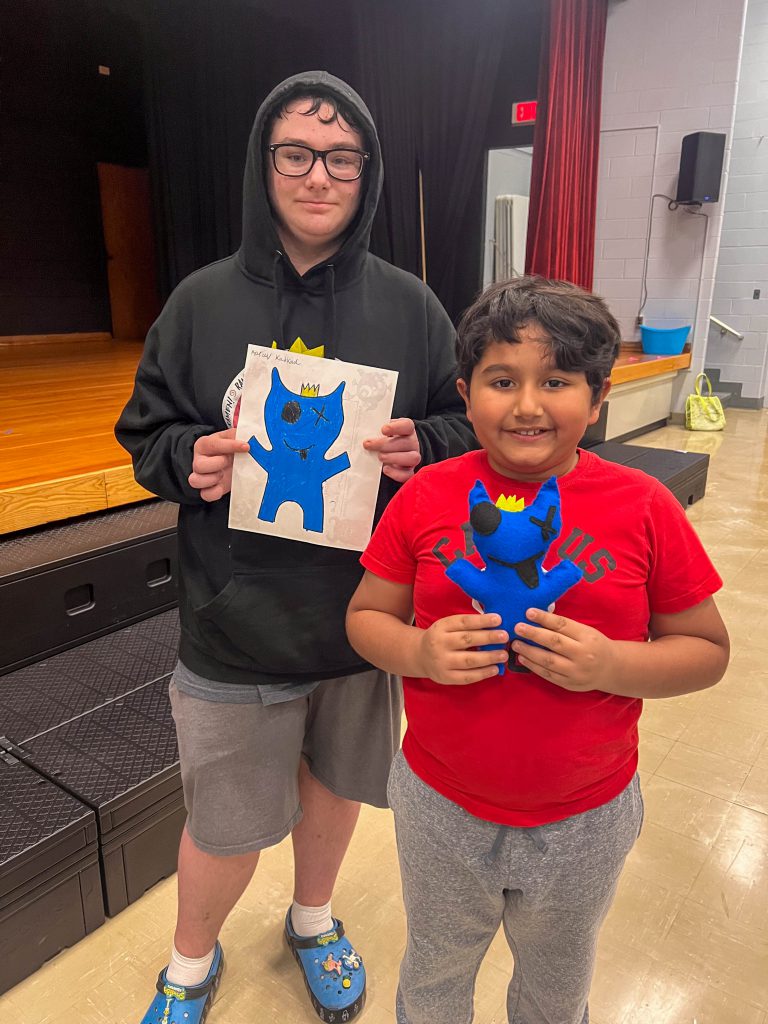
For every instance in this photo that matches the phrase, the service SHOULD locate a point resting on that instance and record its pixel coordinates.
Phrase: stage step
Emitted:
(44, 695)
(684, 473)
(50, 884)
(63, 585)
(121, 760)
(96, 722)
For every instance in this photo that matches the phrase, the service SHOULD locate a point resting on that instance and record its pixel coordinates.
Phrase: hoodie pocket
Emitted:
(288, 621)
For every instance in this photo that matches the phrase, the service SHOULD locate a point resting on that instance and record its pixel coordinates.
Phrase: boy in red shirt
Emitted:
(516, 796)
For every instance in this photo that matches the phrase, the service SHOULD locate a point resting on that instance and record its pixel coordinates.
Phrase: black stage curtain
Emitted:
(385, 74)
(187, 122)
(463, 52)
(430, 72)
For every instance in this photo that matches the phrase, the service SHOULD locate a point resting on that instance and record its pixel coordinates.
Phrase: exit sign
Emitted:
(524, 113)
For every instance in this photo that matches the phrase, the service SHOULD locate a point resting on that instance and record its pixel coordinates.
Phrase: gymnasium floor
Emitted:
(687, 939)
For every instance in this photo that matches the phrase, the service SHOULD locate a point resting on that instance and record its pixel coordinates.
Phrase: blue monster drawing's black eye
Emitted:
(291, 412)
(485, 518)
(320, 413)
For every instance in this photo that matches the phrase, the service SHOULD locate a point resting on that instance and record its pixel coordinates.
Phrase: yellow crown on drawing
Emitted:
(510, 504)
(310, 390)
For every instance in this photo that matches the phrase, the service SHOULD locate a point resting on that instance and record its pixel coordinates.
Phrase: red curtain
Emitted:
(561, 221)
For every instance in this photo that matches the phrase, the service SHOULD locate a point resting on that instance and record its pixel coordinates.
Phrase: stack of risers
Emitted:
(91, 806)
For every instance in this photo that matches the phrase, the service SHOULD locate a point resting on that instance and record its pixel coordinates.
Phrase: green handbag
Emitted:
(703, 412)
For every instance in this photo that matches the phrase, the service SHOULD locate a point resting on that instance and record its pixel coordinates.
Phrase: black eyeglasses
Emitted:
(296, 161)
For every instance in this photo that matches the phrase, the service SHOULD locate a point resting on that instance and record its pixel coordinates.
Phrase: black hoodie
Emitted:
(256, 609)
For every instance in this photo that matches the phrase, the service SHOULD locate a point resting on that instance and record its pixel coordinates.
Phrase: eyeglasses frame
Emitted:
(318, 154)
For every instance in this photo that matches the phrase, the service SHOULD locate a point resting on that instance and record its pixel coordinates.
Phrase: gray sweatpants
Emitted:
(550, 887)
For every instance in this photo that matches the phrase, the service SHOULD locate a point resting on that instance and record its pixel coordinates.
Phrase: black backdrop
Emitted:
(439, 78)
(58, 117)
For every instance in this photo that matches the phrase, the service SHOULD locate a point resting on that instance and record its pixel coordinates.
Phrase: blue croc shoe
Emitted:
(175, 1004)
(332, 970)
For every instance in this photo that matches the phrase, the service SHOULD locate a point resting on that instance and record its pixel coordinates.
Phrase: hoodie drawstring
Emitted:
(278, 278)
(328, 338)
(534, 834)
(329, 314)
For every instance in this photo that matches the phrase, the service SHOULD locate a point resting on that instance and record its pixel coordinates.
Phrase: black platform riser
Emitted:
(684, 473)
(113, 593)
(64, 583)
(142, 858)
(50, 891)
(48, 919)
(121, 759)
(44, 695)
(69, 847)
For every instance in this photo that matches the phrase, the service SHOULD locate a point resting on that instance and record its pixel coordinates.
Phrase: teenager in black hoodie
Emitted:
(282, 727)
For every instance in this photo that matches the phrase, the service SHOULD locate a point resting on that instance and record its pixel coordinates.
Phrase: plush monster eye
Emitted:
(291, 412)
(546, 526)
(485, 518)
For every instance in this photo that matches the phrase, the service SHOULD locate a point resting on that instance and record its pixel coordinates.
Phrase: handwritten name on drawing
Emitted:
(275, 357)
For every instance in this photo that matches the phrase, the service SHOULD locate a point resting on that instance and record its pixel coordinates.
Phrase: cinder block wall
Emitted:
(670, 69)
(742, 266)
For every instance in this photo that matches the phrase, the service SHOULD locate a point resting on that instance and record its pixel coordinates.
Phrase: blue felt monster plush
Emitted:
(513, 545)
(301, 427)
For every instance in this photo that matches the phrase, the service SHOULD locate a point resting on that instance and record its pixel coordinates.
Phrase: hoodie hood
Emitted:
(261, 254)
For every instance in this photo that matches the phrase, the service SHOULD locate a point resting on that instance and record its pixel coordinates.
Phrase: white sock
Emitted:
(307, 921)
(188, 970)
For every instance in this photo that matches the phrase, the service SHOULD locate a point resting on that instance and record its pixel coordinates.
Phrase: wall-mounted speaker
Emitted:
(701, 167)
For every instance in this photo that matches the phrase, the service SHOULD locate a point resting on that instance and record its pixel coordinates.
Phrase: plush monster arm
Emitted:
(555, 582)
(473, 581)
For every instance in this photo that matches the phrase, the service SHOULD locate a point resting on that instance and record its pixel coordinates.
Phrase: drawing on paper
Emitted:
(301, 428)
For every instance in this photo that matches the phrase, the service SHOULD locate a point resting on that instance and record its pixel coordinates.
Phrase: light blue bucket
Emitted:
(664, 341)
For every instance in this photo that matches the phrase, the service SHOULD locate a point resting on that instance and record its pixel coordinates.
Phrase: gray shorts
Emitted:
(240, 762)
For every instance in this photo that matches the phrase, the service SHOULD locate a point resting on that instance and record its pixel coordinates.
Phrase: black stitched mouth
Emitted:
(527, 570)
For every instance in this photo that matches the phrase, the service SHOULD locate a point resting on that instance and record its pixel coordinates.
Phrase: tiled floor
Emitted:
(687, 939)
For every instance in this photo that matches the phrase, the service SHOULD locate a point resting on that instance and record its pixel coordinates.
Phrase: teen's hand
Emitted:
(212, 463)
(398, 448)
(572, 655)
(446, 652)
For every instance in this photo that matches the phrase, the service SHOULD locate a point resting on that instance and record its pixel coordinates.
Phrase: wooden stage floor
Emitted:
(58, 405)
(59, 402)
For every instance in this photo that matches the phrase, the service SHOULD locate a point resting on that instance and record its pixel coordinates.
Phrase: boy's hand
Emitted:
(212, 463)
(446, 649)
(398, 449)
(572, 655)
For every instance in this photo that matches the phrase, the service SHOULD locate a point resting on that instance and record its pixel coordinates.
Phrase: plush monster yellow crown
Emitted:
(310, 390)
(510, 504)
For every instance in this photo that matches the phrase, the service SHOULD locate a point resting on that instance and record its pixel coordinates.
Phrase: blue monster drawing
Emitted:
(301, 429)
(513, 545)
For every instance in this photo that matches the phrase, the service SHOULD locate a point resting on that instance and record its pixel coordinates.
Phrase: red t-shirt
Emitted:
(516, 749)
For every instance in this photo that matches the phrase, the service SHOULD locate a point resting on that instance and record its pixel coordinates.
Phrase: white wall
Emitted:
(670, 68)
(509, 173)
(743, 257)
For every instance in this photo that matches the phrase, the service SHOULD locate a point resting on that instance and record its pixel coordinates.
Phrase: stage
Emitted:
(59, 401)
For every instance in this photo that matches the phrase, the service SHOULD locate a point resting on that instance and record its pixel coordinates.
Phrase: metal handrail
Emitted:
(725, 329)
